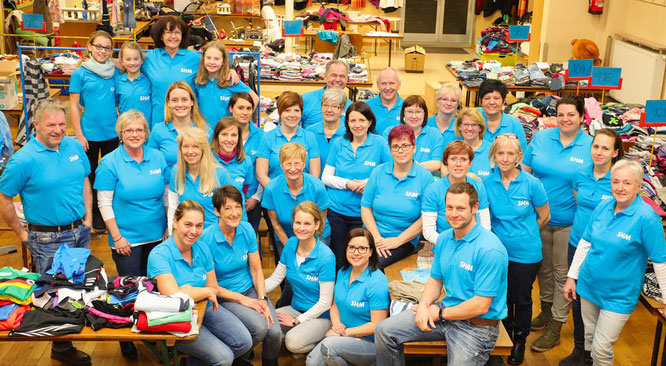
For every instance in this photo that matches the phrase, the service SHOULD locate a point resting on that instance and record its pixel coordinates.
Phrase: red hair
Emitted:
(401, 132)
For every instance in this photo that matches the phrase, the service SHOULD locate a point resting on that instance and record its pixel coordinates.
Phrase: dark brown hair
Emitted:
(358, 232)
(414, 100)
(222, 194)
(364, 109)
(169, 23)
(464, 187)
(617, 143)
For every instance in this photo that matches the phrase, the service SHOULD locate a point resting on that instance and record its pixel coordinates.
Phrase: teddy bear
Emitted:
(586, 49)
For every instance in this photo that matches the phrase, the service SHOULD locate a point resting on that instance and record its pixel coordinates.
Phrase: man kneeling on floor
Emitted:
(472, 264)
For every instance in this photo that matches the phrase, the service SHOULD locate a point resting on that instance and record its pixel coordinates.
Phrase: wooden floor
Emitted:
(633, 348)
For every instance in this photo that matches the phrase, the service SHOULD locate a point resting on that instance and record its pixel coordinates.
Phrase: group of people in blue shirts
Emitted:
(346, 189)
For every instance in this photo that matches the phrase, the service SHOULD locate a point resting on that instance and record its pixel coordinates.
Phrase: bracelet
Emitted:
(117, 240)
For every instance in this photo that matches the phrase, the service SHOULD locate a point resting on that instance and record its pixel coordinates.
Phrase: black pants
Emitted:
(254, 217)
(93, 153)
(397, 254)
(520, 279)
(135, 264)
(340, 227)
(579, 327)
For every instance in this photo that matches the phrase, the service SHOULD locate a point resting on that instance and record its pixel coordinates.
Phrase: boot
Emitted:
(577, 356)
(549, 339)
(518, 351)
(544, 317)
(587, 356)
(268, 362)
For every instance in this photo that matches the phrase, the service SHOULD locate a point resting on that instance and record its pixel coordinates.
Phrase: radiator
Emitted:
(643, 72)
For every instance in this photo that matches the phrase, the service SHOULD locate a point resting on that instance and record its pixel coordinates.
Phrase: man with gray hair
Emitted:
(387, 105)
(336, 75)
(50, 174)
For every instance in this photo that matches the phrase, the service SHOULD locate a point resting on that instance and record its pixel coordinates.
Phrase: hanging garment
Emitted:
(42, 7)
(128, 14)
(35, 89)
(345, 48)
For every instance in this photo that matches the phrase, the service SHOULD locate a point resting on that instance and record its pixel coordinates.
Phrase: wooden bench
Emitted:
(436, 349)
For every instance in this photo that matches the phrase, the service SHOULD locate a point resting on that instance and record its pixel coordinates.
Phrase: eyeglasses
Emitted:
(359, 250)
(469, 125)
(449, 101)
(173, 33)
(137, 131)
(101, 48)
(403, 147)
(333, 107)
(459, 160)
(418, 112)
(511, 136)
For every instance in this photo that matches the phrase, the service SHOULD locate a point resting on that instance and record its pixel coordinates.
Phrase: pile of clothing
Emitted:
(281, 66)
(493, 40)
(159, 313)
(60, 63)
(16, 289)
(540, 74)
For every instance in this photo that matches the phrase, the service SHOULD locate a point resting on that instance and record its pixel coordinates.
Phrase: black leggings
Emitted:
(93, 153)
(521, 276)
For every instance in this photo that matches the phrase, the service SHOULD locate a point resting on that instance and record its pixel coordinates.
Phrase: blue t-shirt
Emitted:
(319, 266)
(613, 271)
(167, 258)
(481, 163)
(384, 116)
(449, 135)
(134, 94)
(355, 301)
(508, 124)
(590, 191)
(251, 146)
(513, 215)
(429, 144)
(214, 101)
(205, 199)
(231, 260)
(278, 198)
(241, 172)
(163, 70)
(138, 193)
(395, 203)
(163, 138)
(272, 142)
(434, 199)
(312, 108)
(323, 142)
(355, 165)
(475, 265)
(545, 149)
(49, 182)
(98, 97)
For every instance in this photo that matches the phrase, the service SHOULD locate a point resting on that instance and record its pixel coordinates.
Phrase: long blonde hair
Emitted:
(208, 180)
(202, 77)
(195, 113)
(129, 45)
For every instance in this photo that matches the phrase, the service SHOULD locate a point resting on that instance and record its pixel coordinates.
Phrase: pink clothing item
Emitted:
(592, 110)
(109, 317)
(227, 158)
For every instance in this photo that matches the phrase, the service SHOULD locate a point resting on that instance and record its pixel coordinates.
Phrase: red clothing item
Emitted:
(14, 320)
(142, 325)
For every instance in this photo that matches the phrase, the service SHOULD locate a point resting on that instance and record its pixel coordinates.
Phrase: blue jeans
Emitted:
(397, 254)
(576, 314)
(43, 244)
(256, 325)
(135, 264)
(468, 344)
(222, 338)
(340, 227)
(342, 351)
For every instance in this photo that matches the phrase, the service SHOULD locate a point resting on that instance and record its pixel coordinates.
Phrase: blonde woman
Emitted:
(196, 174)
(133, 88)
(470, 127)
(447, 99)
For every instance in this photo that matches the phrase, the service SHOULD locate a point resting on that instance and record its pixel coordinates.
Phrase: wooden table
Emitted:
(654, 307)
(158, 343)
(436, 349)
(310, 34)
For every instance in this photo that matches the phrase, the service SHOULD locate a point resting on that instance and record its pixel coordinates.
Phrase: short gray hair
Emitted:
(338, 62)
(48, 106)
(334, 95)
(504, 141)
(634, 168)
(128, 117)
(387, 69)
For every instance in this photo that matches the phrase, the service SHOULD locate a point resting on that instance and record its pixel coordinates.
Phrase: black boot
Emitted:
(588, 358)
(268, 362)
(577, 356)
(518, 351)
(128, 349)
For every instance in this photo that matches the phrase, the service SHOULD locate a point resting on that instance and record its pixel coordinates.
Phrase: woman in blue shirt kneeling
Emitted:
(361, 301)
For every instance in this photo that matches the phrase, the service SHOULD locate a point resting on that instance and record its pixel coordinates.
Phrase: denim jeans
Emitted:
(579, 328)
(135, 264)
(521, 276)
(256, 325)
(467, 344)
(222, 338)
(128, 14)
(340, 227)
(602, 328)
(305, 336)
(342, 351)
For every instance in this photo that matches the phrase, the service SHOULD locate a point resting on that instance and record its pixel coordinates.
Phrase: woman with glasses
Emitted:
(429, 141)
(470, 127)
(391, 203)
(333, 102)
(448, 99)
(457, 158)
(493, 93)
(361, 301)
(569, 146)
(130, 188)
(352, 159)
(518, 211)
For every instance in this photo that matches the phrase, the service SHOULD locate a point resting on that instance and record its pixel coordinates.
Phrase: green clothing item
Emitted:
(17, 284)
(184, 317)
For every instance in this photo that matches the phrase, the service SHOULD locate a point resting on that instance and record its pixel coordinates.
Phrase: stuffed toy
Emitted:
(585, 49)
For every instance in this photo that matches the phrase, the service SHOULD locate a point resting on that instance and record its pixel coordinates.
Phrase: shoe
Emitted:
(72, 357)
(241, 362)
(549, 339)
(544, 317)
(517, 355)
(268, 362)
(298, 357)
(128, 349)
(576, 358)
(587, 358)
(495, 361)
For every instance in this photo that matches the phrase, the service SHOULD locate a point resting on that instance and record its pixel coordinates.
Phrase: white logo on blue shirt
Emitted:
(209, 194)
(606, 196)
(240, 179)
(523, 203)
(577, 160)
(74, 158)
(244, 257)
(203, 277)
(425, 150)
(144, 97)
(113, 88)
(155, 171)
(483, 172)
(358, 304)
(369, 163)
(411, 194)
(187, 71)
(254, 152)
(466, 266)
(312, 278)
(624, 236)
(224, 99)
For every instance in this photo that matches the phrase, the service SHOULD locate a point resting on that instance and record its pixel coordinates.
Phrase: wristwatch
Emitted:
(293, 322)
(441, 313)
(264, 298)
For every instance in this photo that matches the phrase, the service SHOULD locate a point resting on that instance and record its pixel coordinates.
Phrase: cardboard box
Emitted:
(8, 84)
(415, 59)
(431, 88)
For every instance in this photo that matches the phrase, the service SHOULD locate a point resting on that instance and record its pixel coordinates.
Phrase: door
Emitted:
(438, 22)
